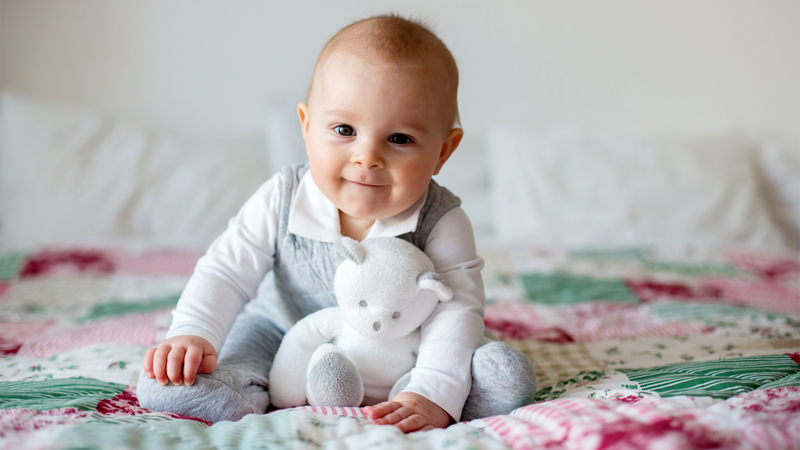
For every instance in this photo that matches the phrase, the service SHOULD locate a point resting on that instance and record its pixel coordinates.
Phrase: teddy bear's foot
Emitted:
(503, 380)
(333, 379)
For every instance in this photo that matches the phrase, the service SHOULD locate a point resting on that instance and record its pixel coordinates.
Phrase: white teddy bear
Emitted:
(360, 352)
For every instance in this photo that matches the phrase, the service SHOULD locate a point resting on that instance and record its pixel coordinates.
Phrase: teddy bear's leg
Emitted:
(333, 378)
(503, 380)
(236, 388)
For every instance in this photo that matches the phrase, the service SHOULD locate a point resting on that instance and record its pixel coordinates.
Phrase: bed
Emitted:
(639, 340)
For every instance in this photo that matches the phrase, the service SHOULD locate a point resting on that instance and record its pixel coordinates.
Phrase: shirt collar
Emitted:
(313, 216)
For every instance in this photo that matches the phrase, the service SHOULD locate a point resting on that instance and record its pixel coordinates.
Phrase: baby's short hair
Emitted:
(398, 41)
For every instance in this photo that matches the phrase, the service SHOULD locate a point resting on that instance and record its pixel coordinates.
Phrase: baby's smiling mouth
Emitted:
(365, 184)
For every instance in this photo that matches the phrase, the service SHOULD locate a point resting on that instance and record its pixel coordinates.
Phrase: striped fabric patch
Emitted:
(565, 289)
(80, 393)
(357, 413)
(717, 379)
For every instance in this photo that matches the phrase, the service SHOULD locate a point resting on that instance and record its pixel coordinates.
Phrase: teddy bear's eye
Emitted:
(396, 314)
(362, 303)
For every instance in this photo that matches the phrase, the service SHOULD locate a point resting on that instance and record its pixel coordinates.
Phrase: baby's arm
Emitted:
(225, 278)
(442, 377)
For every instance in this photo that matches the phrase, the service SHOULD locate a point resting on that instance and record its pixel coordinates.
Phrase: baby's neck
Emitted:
(354, 228)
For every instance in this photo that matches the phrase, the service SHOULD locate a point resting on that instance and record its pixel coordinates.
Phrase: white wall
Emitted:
(212, 68)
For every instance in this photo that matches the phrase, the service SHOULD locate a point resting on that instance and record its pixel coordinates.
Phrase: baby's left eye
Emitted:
(345, 130)
(399, 139)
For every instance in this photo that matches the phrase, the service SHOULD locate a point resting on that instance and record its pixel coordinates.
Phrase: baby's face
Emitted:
(375, 135)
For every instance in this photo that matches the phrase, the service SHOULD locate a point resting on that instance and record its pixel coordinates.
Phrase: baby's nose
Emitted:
(376, 326)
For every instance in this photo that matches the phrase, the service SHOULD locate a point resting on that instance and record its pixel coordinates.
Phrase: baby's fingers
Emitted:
(395, 416)
(160, 363)
(175, 364)
(415, 422)
(194, 355)
(148, 362)
(382, 409)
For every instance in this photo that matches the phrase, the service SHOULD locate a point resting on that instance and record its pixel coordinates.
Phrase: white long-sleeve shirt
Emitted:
(227, 277)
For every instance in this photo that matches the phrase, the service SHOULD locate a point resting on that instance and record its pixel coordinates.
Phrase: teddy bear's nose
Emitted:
(376, 326)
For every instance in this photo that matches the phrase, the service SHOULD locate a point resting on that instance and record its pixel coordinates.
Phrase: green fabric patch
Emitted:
(81, 393)
(253, 431)
(564, 289)
(689, 310)
(9, 265)
(791, 380)
(615, 254)
(718, 379)
(690, 269)
(120, 308)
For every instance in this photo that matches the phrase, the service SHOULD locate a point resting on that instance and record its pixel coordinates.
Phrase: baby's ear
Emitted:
(435, 282)
(350, 249)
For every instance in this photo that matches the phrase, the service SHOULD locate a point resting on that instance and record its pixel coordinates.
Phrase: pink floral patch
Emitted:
(49, 262)
(155, 262)
(138, 329)
(508, 329)
(649, 290)
(126, 404)
(4, 287)
(778, 401)
(771, 267)
(758, 294)
(587, 322)
(608, 424)
(26, 420)
(14, 334)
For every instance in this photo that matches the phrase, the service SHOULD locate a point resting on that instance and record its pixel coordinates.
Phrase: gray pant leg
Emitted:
(237, 387)
(503, 380)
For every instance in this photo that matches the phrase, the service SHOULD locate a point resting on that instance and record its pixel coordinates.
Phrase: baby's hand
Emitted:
(409, 412)
(179, 358)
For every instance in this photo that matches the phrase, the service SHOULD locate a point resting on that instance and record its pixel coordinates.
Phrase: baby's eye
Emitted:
(345, 130)
(396, 315)
(399, 139)
(362, 303)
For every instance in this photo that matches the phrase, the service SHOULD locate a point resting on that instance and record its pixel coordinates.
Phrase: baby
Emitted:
(380, 121)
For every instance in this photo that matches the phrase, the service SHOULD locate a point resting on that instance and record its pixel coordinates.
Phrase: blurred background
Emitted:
(228, 75)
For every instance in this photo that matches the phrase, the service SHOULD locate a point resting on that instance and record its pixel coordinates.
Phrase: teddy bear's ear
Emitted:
(350, 249)
(435, 282)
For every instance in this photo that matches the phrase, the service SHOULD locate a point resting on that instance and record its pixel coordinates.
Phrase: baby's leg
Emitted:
(503, 380)
(237, 387)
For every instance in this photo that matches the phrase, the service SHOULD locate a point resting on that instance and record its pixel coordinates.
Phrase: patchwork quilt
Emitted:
(634, 348)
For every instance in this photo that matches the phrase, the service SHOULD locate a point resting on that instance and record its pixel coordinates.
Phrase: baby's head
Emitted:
(382, 116)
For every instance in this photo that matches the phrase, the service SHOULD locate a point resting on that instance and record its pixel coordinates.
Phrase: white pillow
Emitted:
(780, 165)
(69, 174)
(570, 189)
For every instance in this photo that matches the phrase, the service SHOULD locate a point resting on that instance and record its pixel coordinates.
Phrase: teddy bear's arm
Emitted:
(287, 379)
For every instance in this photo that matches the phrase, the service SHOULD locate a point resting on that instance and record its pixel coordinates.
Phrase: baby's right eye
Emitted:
(362, 303)
(345, 130)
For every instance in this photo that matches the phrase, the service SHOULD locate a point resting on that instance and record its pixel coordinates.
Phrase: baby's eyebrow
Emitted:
(415, 126)
(339, 113)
